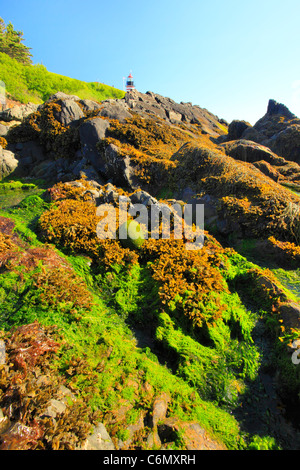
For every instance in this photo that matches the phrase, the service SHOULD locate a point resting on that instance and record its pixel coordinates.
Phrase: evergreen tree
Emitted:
(11, 43)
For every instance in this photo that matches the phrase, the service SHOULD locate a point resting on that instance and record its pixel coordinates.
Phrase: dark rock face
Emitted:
(290, 313)
(118, 168)
(279, 108)
(91, 132)
(236, 129)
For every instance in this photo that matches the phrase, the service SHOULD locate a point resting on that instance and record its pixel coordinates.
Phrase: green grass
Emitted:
(34, 83)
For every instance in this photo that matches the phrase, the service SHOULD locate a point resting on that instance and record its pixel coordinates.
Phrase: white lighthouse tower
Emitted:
(129, 83)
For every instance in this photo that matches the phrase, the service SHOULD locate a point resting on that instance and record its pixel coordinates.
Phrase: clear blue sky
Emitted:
(229, 56)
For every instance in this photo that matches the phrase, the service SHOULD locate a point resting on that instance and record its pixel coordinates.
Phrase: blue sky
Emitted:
(230, 56)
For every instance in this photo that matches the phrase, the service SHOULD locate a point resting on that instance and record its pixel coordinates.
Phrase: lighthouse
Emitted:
(129, 83)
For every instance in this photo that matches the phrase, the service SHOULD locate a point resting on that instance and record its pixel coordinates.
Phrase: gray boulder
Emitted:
(70, 111)
(2, 352)
(54, 408)
(62, 96)
(115, 109)
(91, 132)
(8, 163)
(290, 314)
(46, 170)
(142, 197)
(18, 113)
(89, 105)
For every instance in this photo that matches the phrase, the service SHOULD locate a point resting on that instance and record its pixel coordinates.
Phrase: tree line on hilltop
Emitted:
(11, 43)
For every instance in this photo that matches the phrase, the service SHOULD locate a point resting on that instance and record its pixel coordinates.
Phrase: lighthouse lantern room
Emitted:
(129, 83)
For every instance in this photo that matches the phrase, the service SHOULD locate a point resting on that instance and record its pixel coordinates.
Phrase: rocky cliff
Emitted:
(150, 142)
(278, 129)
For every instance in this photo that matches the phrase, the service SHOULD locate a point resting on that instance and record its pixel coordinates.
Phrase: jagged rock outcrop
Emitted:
(279, 108)
(175, 113)
(278, 129)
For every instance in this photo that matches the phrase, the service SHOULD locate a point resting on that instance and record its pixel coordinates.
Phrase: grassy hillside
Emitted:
(33, 83)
